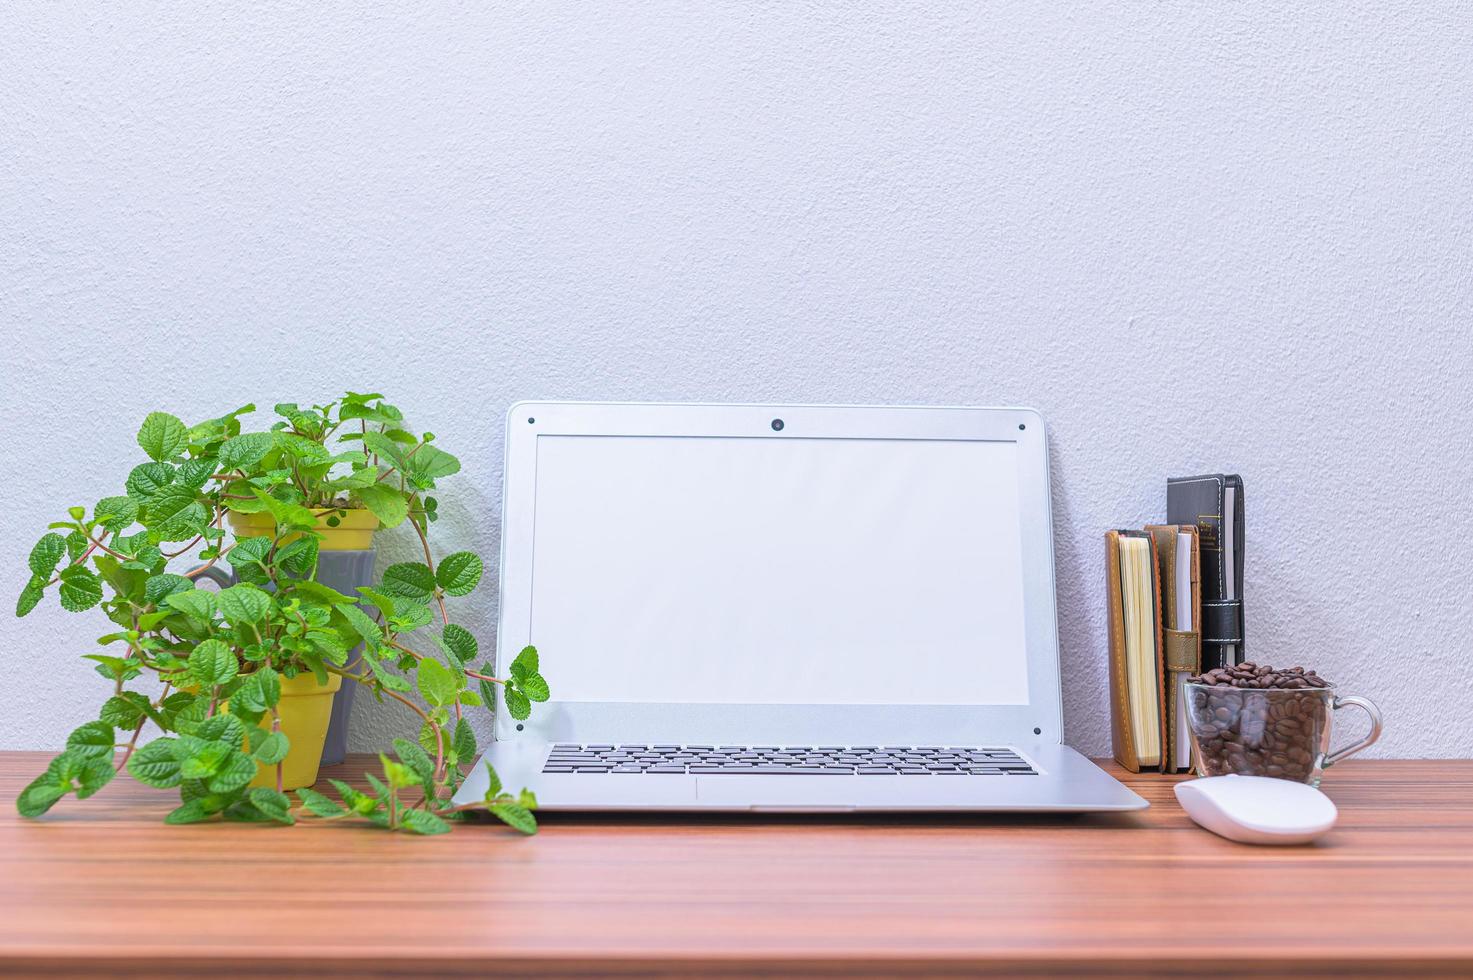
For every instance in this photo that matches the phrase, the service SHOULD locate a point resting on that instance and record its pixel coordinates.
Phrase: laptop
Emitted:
(784, 608)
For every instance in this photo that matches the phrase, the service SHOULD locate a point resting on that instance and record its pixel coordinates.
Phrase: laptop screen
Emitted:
(739, 570)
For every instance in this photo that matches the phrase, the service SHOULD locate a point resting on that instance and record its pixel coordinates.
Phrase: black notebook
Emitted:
(1215, 504)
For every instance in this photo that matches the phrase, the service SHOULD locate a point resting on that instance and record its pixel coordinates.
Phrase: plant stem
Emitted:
(133, 742)
(276, 728)
(98, 544)
(219, 513)
(193, 572)
(468, 672)
(439, 594)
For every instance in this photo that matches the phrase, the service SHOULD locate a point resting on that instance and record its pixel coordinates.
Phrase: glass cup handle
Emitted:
(218, 575)
(1371, 736)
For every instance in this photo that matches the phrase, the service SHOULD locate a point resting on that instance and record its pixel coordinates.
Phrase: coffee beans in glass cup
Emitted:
(1253, 720)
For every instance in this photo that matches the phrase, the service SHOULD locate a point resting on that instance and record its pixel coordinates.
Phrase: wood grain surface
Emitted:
(101, 886)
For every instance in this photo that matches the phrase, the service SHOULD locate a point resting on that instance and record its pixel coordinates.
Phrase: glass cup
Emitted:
(1279, 732)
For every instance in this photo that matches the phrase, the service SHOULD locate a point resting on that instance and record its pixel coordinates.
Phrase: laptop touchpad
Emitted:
(805, 791)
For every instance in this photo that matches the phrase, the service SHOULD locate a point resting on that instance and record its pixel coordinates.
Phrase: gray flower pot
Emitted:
(344, 571)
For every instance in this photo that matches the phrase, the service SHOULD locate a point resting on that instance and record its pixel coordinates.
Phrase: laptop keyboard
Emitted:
(784, 760)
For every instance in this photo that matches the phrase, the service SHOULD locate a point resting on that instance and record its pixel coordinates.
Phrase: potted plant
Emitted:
(243, 679)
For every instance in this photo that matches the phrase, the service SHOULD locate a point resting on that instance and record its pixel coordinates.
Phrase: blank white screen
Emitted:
(779, 570)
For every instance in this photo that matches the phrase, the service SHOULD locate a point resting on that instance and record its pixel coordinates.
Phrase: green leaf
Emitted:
(459, 642)
(197, 603)
(391, 681)
(243, 605)
(437, 684)
(299, 557)
(221, 728)
(270, 684)
(212, 663)
(427, 464)
(195, 473)
(124, 710)
(493, 787)
(488, 693)
(80, 589)
(159, 587)
(46, 554)
(273, 749)
(192, 812)
(287, 516)
(411, 580)
(92, 740)
(29, 596)
(361, 622)
(525, 663)
(423, 822)
(359, 803)
(115, 513)
(244, 451)
(399, 776)
(149, 622)
(515, 816)
(534, 687)
(201, 759)
(167, 504)
(380, 444)
(148, 479)
(258, 693)
(235, 771)
(307, 452)
(319, 592)
(319, 804)
(156, 765)
(249, 551)
(147, 558)
(431, 739)
(329, 645)
(163, 436)
(71, 771)
(518, 705)
(409, 616)
(464, 741)
(273, 804)
(459, 573)
(386, 503)
(115, 668)
(94, 774)
(416, 758)
(40, 795)
(382, 602)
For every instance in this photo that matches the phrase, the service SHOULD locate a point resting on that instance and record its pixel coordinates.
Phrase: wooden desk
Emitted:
(103, 886)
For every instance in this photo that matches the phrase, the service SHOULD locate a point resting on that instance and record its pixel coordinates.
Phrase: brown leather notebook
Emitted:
(1137, 678)
(1178, 559)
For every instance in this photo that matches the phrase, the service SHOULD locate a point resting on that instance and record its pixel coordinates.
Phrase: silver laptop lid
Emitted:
(783, 574)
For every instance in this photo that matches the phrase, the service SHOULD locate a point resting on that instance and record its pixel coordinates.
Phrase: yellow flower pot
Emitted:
(354, 531)
(305, 709)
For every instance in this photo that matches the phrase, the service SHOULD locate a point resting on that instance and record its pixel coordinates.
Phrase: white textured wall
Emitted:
(1225, 236)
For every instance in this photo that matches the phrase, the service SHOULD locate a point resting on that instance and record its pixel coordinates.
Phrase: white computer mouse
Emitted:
(1257, 809)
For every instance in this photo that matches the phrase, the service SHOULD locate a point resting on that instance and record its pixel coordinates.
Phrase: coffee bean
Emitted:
(1246, 721)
